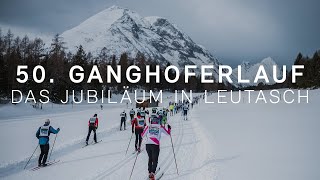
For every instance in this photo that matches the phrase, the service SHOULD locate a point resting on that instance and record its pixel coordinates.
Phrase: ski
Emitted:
(48, 164)
(157, 170)
(160, 176)
(137, 151)
(93, 143)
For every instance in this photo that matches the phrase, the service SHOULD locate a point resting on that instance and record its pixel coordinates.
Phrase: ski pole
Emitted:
(174, 154)
(31, 157)
(53, 146)
(129, 143)
(134, 165)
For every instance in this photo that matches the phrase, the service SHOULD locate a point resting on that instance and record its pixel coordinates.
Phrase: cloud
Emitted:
(234, 30)
(24, 31)
(229, 28)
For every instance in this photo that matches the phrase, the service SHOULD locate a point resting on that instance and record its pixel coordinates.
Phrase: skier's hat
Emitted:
(47, 121)
(155, 120)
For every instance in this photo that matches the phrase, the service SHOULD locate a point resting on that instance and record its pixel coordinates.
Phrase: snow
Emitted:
(91, 29)
(121, 30)
(153, 19)
(265, 141)
(219, 141)
(249, 71)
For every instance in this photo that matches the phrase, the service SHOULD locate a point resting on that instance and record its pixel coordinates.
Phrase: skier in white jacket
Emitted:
(153, 134)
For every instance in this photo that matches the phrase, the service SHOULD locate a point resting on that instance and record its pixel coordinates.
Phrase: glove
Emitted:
(132, 131)
(97, 127)
(169, 127)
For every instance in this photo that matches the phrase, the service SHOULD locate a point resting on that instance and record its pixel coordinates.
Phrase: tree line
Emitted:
(311, 71)
(57, 61)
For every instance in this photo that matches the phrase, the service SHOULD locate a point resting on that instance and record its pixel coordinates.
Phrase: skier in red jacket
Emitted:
(138, 125)
(93, 126)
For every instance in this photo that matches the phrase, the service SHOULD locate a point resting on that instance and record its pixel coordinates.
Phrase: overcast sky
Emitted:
(233, 30)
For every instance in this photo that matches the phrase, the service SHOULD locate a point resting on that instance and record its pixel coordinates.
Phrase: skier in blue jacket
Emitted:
(43, 134)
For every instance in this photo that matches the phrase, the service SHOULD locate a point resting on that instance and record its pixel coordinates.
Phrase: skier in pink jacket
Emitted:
(153, 134)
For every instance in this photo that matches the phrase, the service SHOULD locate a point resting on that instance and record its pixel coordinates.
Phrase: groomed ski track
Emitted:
(107, 159)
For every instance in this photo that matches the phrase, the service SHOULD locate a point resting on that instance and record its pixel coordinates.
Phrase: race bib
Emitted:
(154, 131)
(141, 122)
(92, 120)
(44, 131)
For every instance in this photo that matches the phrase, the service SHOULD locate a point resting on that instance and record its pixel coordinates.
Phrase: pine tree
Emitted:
(56, 69)
(103, 55)
(3, 72)
(80, 58)
(8, 39)
(316, 60)
(124, 65)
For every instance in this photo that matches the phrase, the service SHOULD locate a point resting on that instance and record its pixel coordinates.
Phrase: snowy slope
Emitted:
(264, 141)
(249, 71)
(106, 160)
(220, 141)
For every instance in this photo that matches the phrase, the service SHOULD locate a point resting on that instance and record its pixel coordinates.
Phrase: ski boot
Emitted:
(87, 143)
(152, 176)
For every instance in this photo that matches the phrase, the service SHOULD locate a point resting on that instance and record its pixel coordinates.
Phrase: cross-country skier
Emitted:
(160, 112)
(139, 110)
(171, 107)
(93, 126)
(160, 115)
(143, 112)
(185, 109)
(154, 119)
(165, 115)
(123, 116)
(43, 134)
(153, 134)
(138, 125)
(132, 113)
(154, 112)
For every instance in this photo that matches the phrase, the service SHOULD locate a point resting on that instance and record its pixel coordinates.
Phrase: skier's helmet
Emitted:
(47, 121)
(155, 120)
(95, 115)
(154, 110)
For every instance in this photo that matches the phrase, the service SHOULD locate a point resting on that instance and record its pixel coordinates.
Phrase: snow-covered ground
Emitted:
(219, 141)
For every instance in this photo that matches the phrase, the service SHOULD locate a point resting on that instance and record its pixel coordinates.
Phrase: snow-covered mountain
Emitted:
(121, 30)
(249, 71)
